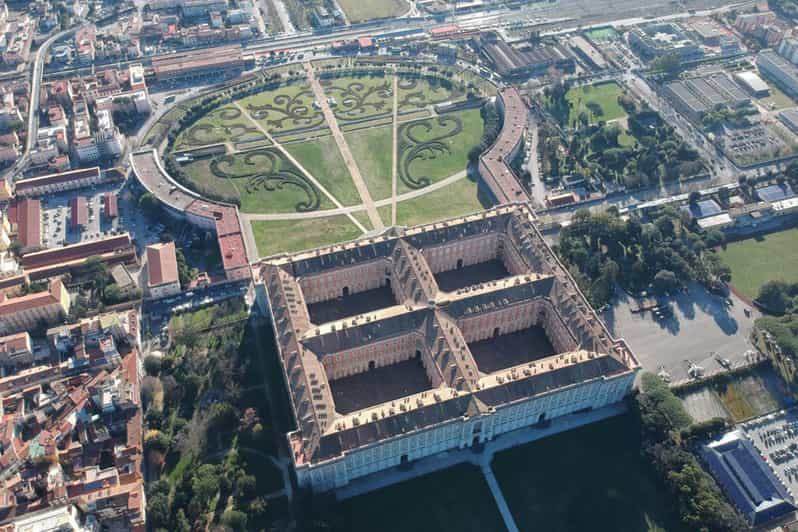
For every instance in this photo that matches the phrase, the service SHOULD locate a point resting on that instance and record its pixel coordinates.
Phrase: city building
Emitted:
(788, 49)
(494, 164)
(162, 278)
(783, 73)
(511, 62)
(60, 182)
(198, 64)
(48, 263)
(657, 39)
(78, 213)
(110, 206)
(25, 313)
(26, 215)
(755, 85)
(746, 479)
(695, 96)
(181, 204)
(16, 350)
(432, 338)
(50, 142)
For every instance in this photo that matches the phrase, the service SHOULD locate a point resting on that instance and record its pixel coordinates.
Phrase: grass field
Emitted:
(360, 97)
(602, 34)
(435, 165)
(373, 152)
(362, 10)
(755, 261)
(255, 198)
(222, 124)
(287, 236)
(417, 93)
(592, 478)
(735, 402)
(454, 499)
(290, 107)
(461, 197)
(323, 160)
(604, 94)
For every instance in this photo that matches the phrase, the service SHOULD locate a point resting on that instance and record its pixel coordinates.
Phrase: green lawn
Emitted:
(285, 108)
(360, 97)
(362, 10)
(589, 479)
(432, 149)
(455, 499)
(200, 173)
(323, 160)
(284, 189)
(604, 94)
(288, 236)
(373, 152)
(363, 218)
(222, 124)
(417, 93)
(755, 261)
(461, 197)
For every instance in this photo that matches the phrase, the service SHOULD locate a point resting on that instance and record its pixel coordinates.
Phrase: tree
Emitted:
(774, 296)
(235, 519)
(205, 483)
(665, 281)
(149, 204)
(152, 365)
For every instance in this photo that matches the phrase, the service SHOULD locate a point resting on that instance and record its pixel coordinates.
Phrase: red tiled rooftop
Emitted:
(78, 212)
(62, 177)
(233, 253)
(30, 301)
(29, 222)
(110, 204)
(82, 250)
(161, 264)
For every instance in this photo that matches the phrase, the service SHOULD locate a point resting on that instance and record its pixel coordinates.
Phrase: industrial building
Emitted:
(746, 479)
(432, 338)
(696, 96)
(783, 73)
(657, 39)
(751, 82)
(511, 62)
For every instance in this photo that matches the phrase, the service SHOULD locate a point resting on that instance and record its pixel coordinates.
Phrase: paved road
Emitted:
(301, 168)
(33, 109)
(343, 147)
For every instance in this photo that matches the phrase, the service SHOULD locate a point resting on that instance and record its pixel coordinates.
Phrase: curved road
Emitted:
(33, 108)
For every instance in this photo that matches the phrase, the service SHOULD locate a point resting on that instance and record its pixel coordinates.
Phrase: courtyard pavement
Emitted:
(700, 325)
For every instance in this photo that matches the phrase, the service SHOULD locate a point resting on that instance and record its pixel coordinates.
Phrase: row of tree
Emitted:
(603, 250)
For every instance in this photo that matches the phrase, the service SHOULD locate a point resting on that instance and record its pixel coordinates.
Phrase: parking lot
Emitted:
(694, 328)
(56, 217)
(776, 438)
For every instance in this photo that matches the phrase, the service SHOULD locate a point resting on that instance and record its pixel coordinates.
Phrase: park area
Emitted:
(457, 498)
(562, 484)
(272, 152)
(755, 261)
(598, 102)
